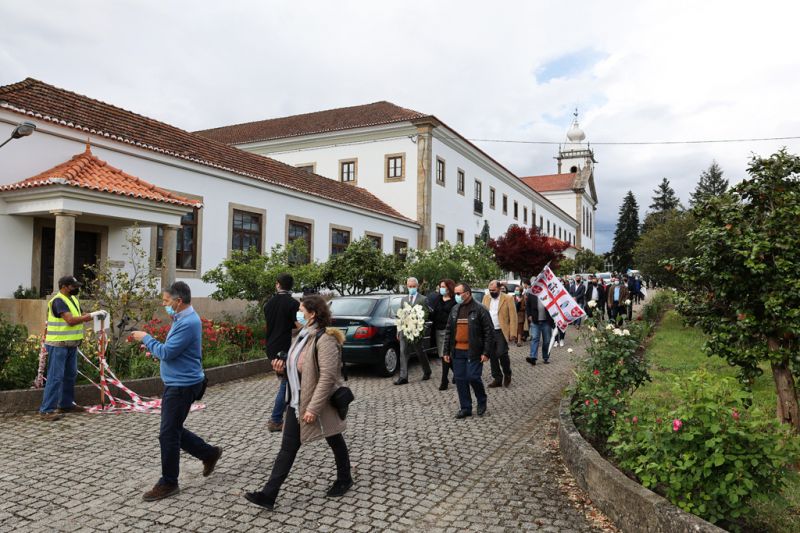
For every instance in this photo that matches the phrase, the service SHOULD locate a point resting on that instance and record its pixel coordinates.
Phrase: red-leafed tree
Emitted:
(526, 251)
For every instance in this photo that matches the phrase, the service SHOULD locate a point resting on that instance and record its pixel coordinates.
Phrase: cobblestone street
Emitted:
(416, 468)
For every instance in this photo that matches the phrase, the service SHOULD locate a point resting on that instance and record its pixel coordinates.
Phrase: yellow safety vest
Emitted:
(57, 327)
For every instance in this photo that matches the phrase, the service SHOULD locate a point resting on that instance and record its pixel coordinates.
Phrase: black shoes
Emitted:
(495, 383)
(443, 386)
(463, 413)
(481, 410)
(426, 377)
(401, 381)
(547, 361)
(259, 499)
(211, 462)
(339, 488)
(531, 361)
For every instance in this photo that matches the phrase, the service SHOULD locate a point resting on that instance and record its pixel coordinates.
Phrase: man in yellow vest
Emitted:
(64, 334)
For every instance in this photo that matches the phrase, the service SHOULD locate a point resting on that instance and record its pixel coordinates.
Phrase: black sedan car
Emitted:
(370, 333)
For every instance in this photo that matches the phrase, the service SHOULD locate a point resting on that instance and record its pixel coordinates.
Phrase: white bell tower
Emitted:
(574, 155)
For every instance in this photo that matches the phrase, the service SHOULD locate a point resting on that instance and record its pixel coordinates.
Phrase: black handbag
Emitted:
(343, 396)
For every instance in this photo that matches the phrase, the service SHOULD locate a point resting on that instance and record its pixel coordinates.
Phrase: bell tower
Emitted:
(574, 155)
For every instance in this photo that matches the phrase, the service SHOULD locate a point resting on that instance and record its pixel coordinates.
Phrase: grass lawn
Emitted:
(675, 351)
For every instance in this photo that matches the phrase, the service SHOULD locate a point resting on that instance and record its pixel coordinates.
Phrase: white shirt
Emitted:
(494, 307)
(595, 294)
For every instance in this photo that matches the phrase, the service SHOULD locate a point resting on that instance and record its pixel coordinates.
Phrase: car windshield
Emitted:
(352, 306)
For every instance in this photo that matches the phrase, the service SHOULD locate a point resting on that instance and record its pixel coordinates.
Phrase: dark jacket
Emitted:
(280, 313)
(440, 310)
(481, 331)
(532, 309)
(580, 294)
(601, 294)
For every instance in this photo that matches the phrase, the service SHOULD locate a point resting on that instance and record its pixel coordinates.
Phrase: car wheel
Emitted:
(390, 362)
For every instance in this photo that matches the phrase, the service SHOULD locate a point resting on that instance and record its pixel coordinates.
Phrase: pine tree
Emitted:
(711, 184)
(627, 233)
(665, 198)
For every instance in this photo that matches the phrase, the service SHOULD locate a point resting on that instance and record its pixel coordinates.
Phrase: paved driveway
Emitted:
(416, 467)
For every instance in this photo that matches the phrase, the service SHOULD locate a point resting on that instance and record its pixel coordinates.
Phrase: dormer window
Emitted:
(573, 169)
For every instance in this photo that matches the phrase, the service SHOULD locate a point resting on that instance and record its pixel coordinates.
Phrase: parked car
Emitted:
(370, 333)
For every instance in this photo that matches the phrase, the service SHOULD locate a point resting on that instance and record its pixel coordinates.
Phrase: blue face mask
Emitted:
(459, 299)
(412, 291)
(301, 318)
(170, 311)
(442, 290)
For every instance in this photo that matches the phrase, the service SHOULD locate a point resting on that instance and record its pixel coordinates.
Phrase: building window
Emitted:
(524, 215)
(461, 180)
(505, 204)
(559, 233)
(440, 171)
(492, 193)
(460, 236)
(401, 248)
(186, 257)
(548, 227)
(395, 166)
(246, 231)
(377, 240)
(541, 222)
(299, 230)
(307, 167)
(516, 210)
(348, 170)
(340, 240)
(439, 234)
(478, 190)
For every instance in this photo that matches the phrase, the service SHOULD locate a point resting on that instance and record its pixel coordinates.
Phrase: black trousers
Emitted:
(500, 357)
(176, 402)
(289, 447)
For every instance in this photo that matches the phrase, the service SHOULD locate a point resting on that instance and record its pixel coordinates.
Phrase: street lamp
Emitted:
(23, 129)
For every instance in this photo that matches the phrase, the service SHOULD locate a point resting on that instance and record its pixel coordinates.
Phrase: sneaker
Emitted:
(274, 427)
(160, 491)
(259, 499)
(561, 343)
(52, 416)
(74, 408)
(211, 462)
(339, 488)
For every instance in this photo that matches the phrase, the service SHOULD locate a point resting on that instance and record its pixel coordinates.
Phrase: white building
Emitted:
(572, 188)
(69, 192)
(414, 162)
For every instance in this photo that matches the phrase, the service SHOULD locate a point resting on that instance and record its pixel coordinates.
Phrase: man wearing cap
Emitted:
(64, 334)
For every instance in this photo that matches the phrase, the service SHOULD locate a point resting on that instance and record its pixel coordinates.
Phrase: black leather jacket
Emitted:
(481, 331)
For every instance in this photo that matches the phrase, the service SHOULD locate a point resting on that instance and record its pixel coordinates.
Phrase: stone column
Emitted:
(169, 252)
(424, 183)
(64, 256)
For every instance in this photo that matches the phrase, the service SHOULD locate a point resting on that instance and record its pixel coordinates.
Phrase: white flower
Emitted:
(569, 350)
(596, 341)
(609, 326)
(617, 331)
(592, 303)
(592, 329)
(626, 332)
(628, 302)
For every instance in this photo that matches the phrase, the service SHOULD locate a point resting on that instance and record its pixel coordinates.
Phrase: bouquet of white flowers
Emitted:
(410, 322)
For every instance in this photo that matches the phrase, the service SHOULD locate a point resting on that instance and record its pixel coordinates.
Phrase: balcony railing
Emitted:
(478, 206)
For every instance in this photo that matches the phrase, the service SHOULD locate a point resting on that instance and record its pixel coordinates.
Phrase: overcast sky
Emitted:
(637, 71)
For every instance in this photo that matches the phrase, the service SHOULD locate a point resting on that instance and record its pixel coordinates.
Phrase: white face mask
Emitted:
(301, 318)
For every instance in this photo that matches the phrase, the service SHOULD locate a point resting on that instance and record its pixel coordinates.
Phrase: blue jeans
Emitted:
(173, 437)
(544, 330)
(468, 373)
(62, 370)
(280, 403)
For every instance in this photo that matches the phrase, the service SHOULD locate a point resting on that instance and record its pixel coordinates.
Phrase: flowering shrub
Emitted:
(709, 454)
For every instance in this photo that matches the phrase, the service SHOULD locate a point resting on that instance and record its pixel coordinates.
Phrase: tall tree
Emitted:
(526, 251)
(665, 198)
(711, 184)
(626, 234)
(664, 244)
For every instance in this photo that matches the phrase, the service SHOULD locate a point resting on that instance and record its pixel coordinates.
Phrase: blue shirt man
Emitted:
(181, 359)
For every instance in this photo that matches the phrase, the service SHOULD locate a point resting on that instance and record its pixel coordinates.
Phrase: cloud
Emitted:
(637, 71)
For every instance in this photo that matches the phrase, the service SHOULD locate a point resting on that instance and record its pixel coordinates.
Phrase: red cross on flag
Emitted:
(562, 307)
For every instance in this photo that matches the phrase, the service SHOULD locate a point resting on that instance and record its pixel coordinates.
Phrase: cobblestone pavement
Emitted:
(416, 467)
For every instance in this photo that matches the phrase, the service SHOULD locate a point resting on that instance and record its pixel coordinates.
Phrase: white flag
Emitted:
(562, 307)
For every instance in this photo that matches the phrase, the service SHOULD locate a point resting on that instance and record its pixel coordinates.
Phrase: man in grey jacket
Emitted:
(413, 298)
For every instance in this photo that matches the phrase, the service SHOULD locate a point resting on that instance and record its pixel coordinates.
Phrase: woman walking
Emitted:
(313, 368)
(440, 310)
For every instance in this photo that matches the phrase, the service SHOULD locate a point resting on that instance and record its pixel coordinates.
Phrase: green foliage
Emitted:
(362, 268)
(662, 244)
(665, 198)
(708, 454)
(14, 366)
(657, 305)
(588, 261)
(566, 267)
(129, 294)
(25, 293)
(250, 275)
(711, 184)
(742, 286)
(627, 233)
(473, 264)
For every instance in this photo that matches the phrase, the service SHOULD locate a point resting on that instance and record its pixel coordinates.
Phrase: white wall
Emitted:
(27, 157)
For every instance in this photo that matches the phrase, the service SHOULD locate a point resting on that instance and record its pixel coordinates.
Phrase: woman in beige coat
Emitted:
(313, 367)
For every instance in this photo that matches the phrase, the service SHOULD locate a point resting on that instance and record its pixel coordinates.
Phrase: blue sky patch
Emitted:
(568, 65)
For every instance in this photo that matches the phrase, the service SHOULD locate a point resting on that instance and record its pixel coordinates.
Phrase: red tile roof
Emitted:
(36, 99)
(86, 171)
(550, 182)
(344, 118)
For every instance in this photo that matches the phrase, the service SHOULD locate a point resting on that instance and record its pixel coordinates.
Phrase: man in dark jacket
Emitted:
(467, 344)
(541, 326)
(280, 314)
(596, 293)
